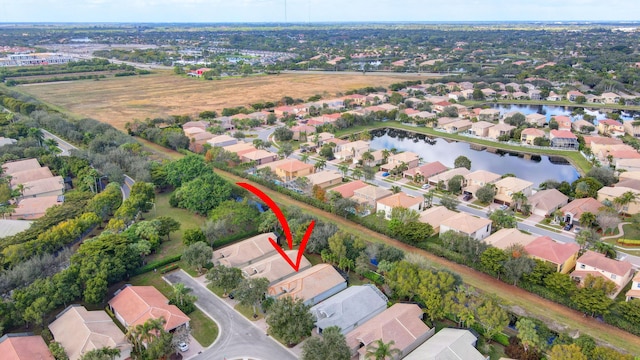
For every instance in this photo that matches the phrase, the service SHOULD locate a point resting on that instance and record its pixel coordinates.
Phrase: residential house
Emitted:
(424, 115)
(563, 139)
(14, 167)
(582, 126)
(24, 347)
(411, 160)
(477, 179)
(240, 148)
(400, 200)
(34, 208)
(282, 111)
(490, 115)
(275, 268)
(481, 128)
(535, 95)
(190, 131)
(506, 238)
(458, 126)
(610, 98)
(632, 127)
(245, 252)
(609, 194)
(369, 195)
(53, 186)
(628, 183)
(529, 135)
(134, 305)
(324, 138)
(197, 141)
(423, 172)
(630, 165)
(351, 150)
(444, 121)
(303, 132)
(510, 114)
(629, 175)
(536, 119)
(356, 99)
(349, 308)
(595, 142)
(574, 210)
(325, 178)
(401, 323)
(546, 202)
(378, 158)
(80, 331)
(12, 227)
(610, 127)
(554, 97)
(347, 190)
(259, 157)
(439, 106)
(488, 93)
(596, 264)
(562, 256)
(313, 285)
(464, 223)
(445, 176)
(499, 130)
(634, 292)
(593, 99)
(572, 95)
(435, 215)
(222, 141)
(505, 188)
(564, 122)
(292, 169)
(448, 344)
(25, 176)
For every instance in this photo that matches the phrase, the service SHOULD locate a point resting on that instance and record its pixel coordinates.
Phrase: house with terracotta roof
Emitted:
(293, 169)
(629, 183)
(448, 344)
(259, 157)
(400, 200)
(610, 193)
(610, 127)
(545, 202)
(582, 126)
(312, 285)
(134, 305)
(573, 210)
(529, 135)
(347, 189)
(481, 128)
(562, 256)
(447, 175)
(596, 264)
(630, 165)
(21, 177)
(80, 331)
(467, 224)
(222, 141)
(197, 141)
(634, 292)
(369, 195)
(24, 347)
(351, 149)
(572, 95)
(275, 268)
(563, 139)
(245, 252)
(34, 208)
(477, 179)
(505, 188)
(593, 142)
(564, 122)
(505, 238)
(410, 159)
(303, 132)
(189, 132)
(423, 172)
(444, 121)
(490, 115)
(458, 126)
(13, 167)
(325, 178)
(495, 132)
(349, 308)
(435, 215)
(536, 119)
(401, 323)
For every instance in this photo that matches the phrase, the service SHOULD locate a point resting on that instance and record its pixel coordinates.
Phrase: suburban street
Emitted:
(238, 337)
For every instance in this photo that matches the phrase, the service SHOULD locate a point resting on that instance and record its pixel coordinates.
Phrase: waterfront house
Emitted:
(563, 139)
(505, 188)
(546, 202)
(610, 127)
(481, 128)
(529, 135)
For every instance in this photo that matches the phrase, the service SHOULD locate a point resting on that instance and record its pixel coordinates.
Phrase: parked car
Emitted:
(183, 346)
(504, 207)
(577, 229)
(426, 186)
(568, 227)
(385, 174)
(467, 197)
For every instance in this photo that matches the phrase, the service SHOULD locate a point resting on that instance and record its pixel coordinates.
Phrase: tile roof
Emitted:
(465, 223)
(579, 206)
(37, 187)
(347, 190)
(137, 304)
(548, 199)
(602, 140)
(12, 227)
(563, 134)
(482, 125)
(293, 165)
(80, 331)
(513, 184)
(33, 347)
(372, 191)
(21, 165)
(400, 200)
(33, 208)
(601, 262)
(406, 156)
(275, 267)
(435, 215)
(483, 176)
(507, 237)
(245, 252)
(21, 177)
(544, 247)
(448, 344)
(610, 122)
(258, 155)
(427, 170)
(308, 284)
(352, 306)
(447, 175)
(533, 131)
(323, 176)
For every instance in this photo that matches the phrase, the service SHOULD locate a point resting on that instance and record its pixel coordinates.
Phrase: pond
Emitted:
(534, 168)
(550, 111)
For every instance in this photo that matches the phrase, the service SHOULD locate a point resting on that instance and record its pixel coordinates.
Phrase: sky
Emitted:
(302, 11)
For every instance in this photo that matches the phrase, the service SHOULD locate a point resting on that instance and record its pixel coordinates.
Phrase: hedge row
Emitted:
(156, 264)
(629, 242)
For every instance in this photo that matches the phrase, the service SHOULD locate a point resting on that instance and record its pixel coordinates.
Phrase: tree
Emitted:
(592, 296)
(493, 260)
(566, 352)
(503, 219)
(379, 350)
(181, 298)
(528, 334)
(560, 284)
(454, 184)
(607, 353)
(202, 194)
(331, 345)
(285, 150)
(515, 268)
(104, 353)
(605, 175)
(185, 169)
(227, 278)
(283, 134)
(166, 225)
(486, 193)
(607, 220)
(320, 164)
(449, 202)
(250, 292)
(493, 318)
(198, 255)
(290, 320)
(344, 169)
(587, 219)
(519, 199)
(462, 162)
(396, 189)
(357, 173)
(326, 151)
(623, 200)
(192, 236)
(57, 351)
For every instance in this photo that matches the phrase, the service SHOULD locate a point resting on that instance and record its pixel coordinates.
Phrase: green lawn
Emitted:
(631, 231)
(247, 311)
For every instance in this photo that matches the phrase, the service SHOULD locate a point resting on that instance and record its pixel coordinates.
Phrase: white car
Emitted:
(426, 186)
(183, 346)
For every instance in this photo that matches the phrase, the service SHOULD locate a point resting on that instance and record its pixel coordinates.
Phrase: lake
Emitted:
(534, 168)
(550, 111)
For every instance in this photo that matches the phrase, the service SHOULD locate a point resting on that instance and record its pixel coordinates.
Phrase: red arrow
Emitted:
(285, 227)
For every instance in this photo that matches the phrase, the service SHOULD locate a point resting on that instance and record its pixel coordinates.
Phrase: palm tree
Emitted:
(304, 158)
(519, 199)
(52, 146)
(396, 189)
(36, 134)
(367, 157)
(587, 219)
(357, 173)
(379, 350)
(320, 164)
(385, 154)
(625, 199)
(180, 293)
(344, 169)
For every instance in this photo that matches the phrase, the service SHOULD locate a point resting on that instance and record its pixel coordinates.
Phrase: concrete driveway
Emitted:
(238, 337)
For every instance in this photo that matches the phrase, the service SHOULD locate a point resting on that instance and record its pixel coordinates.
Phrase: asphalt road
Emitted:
(238, 337)
(62, 145)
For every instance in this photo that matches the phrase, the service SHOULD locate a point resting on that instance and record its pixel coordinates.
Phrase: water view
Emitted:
(550, 111)
(534, 168)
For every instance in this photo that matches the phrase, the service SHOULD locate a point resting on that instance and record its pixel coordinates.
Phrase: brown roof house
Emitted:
(596, 264)
(53, 186)
(505, 188)
(477, 179)
(369, 195)
(259, 157)
(347, 190)
(222, 141)
(312, 285)
(34, 208)
(400, 200)
(240, 148)
(425, 171)
(573, 210)
(134, 305)
(609, 193)
(508, 237)
(408, 158)
(499, 130)
(21, 177)
(561, 255)
(275, 268)
(448, 344)
(435, 215)
(24, 347)
(245, 252)
(401, 323)
(464, 223)
(536, 119)
(447, 175)
(634, 292)
(325, 178)
(13, 167)
(292, 169)
(545, 202)
(80, 331)
(481, 128)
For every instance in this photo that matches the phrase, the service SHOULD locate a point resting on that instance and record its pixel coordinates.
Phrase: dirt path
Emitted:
(548, 311)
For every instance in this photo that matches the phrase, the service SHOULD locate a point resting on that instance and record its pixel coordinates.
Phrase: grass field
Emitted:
(119, 100)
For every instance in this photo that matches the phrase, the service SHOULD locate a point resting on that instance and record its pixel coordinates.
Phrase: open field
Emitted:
(119, 100)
